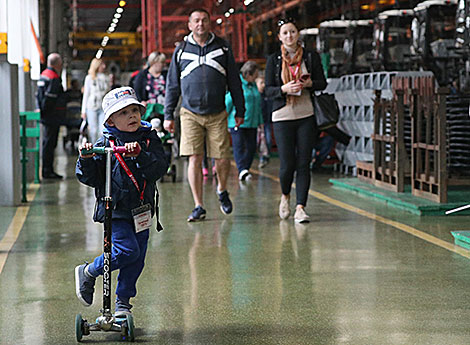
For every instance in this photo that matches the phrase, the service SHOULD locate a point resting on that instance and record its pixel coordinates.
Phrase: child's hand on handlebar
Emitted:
(132, 149)
(85, 146)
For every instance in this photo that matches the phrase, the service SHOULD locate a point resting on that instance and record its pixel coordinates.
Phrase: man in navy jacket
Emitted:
(201, 70)
(52, 101)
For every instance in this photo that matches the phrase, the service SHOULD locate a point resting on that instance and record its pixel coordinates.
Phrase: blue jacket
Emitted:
(253, 112)
(150, 165)
(201, 75)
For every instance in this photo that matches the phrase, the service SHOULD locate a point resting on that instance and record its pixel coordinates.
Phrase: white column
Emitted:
(10, 167)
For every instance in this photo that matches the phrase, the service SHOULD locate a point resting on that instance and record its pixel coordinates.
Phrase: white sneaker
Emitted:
(243, 174)
(300, 216)
(284, 211)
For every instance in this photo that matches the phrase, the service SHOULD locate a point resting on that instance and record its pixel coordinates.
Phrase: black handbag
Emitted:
(326, 110)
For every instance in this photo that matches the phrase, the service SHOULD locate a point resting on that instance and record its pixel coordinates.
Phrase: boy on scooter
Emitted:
(133, 191)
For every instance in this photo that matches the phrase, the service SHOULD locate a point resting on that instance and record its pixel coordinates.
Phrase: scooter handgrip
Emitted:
(122, 149)
(97, 150)
(119, 149)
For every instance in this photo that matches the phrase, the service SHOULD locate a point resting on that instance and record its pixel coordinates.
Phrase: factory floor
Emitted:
(359, 273)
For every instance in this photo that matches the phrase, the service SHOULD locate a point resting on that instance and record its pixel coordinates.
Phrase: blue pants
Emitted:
(244, 147)
(127, 256)
(267, 134)
(322, 148)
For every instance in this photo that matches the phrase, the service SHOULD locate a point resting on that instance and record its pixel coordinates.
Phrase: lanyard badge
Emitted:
(143, 214)
(142, 217)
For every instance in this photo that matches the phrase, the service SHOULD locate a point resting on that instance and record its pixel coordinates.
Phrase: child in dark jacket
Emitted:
(133, 183)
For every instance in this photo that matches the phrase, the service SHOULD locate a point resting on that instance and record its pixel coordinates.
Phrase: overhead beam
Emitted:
(275, 12)
(99, 35)
(93, 46)
(91, 6)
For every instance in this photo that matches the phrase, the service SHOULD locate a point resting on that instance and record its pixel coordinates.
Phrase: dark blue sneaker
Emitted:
(123, 308)
(198, 214)
(225, 203)
(84, 285)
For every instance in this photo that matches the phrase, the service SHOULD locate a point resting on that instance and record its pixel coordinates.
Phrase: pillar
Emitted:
(10, 168)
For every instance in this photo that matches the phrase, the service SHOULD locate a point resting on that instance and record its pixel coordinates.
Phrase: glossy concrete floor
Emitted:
(359, 273)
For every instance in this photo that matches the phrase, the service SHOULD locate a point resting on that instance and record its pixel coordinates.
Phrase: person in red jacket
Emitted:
(52, 101)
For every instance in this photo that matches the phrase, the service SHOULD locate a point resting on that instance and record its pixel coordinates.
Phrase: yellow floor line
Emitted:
(400, 226)
(15, 227)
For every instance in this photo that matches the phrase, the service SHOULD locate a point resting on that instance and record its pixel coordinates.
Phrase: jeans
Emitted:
(295, 140)
(95, 120)
(322, 149)
(244, 147)
(267, 134)
(127, 255)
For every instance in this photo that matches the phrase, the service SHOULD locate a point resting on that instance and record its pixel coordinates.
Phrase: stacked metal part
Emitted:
(458, 135)
(355, 94)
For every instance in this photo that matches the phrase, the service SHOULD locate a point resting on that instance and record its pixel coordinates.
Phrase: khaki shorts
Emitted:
(197, 129)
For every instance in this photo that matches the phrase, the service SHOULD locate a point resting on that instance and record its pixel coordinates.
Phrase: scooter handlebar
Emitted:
(119, 149)
(102, 150)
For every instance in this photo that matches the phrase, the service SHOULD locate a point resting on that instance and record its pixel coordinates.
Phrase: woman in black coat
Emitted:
(292, 75)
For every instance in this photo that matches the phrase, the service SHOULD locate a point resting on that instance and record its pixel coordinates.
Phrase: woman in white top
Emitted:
(95, 87)
(292, 74)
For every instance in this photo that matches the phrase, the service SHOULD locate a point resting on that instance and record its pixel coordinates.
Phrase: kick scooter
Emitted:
(106, 322)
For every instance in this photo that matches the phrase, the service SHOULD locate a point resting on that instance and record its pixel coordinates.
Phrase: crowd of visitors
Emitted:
(215, 102)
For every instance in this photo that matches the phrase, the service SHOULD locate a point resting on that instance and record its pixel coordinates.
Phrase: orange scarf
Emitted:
(286, 73)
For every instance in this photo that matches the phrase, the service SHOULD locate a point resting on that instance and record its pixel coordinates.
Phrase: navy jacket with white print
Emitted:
(201, 75)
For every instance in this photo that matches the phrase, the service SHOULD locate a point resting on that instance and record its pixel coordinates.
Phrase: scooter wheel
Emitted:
(130, 327)
(79, 327)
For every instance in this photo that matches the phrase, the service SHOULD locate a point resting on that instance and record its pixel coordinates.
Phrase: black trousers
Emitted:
(50, 134)
(295, 141)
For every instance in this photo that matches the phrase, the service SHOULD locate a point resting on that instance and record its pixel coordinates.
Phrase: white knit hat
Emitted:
(118, 99)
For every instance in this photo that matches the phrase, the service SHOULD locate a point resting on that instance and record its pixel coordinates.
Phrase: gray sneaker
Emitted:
(284, 210)
(84, 285)
(300, 216)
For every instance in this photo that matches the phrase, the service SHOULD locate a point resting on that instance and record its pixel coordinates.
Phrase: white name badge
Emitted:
(142, 217)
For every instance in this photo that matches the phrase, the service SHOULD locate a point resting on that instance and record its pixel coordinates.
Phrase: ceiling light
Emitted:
(227, 14)
(231, 10)
(115, 20)
(122, 3)
(219, 21)
(117, 15)
(110, 29)
(119, 10)
(99, 53)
